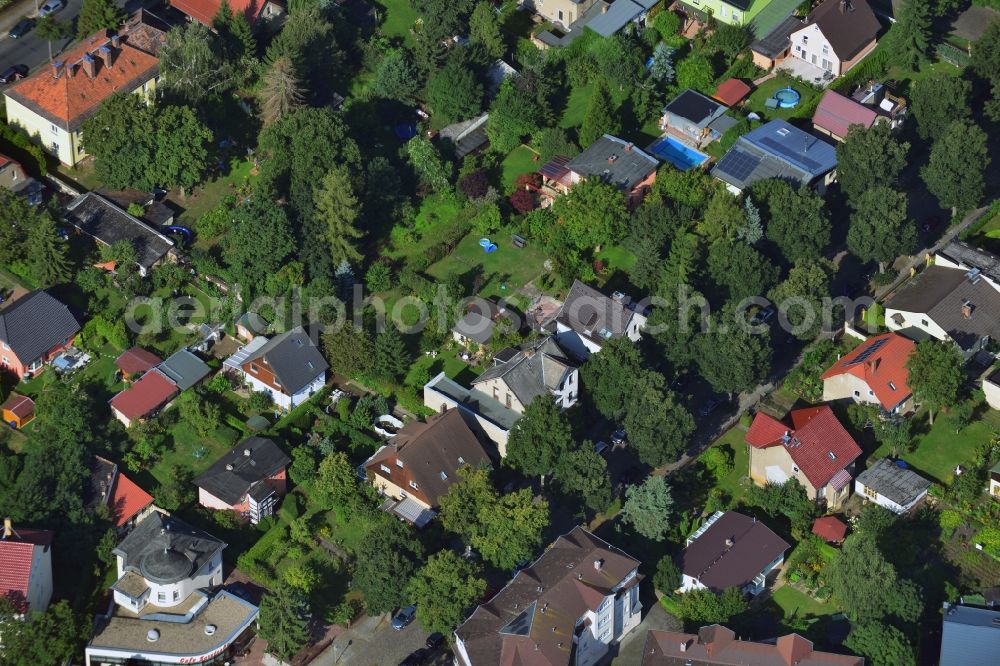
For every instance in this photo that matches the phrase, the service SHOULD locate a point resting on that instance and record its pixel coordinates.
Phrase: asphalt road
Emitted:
(30, 50)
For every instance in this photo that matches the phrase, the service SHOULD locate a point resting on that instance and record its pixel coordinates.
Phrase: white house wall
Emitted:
(917, 320)
(209, 500)
(304, 394)
(809, 44)
(209, 576)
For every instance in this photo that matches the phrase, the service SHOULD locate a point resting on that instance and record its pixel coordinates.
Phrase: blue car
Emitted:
(404, 617)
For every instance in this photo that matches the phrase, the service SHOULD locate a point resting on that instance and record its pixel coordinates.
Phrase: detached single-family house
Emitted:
(53, 103)
(969, 635)
(731, 550)
(890, 107)
(250, 479)
(13, 178)
(561, 12)
(143, 398)
(837, 35)
(18, 410)
(716, 645)
(26, 567)
(694, 118)
(816, 450)
(184, 369)
(127, 503)
(255, 11)
(538, 368)
(836, 114)
(136, 362)
(612, 160)
(778, 150)
(420, 464)
(488, 418)
(588, 318)
(950, 304)
(478, 322)
(874, 372)
(167, 605)
(731, 12)
(568, 608)
(34, 329)
(774, 45)
(288, 367)
(891, 485)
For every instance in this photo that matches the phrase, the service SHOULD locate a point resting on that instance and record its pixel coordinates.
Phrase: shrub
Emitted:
(474, 185)
(523, 201)
(259, 401)
(379, 278)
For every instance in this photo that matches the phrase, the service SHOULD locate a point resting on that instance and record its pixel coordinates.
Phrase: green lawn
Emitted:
(520, 161)
(734, 439)
(437, 213)
(793, 602)
(425, 368)
(988, 236)
(193, 451)
(576, 106)
(398, 16)
(616, 258)
(505, 270)
(805, 107)
(211, 193)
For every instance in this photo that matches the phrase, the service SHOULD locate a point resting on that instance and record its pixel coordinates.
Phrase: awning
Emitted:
(840, 479)
(413, 512)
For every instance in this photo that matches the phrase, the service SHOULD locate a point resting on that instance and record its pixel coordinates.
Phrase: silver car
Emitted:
(51, 7)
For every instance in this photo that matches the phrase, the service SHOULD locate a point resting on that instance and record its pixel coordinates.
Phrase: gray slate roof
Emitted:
(619, 13)
(475, 327)
(969, 636)
(614, 161)
(293, 358)
(165, 549)
(885, 477)
(535, 369)
(973, 257)
(98, 217)
(940, 292)
(184, 369)
(34, 324)
(237, 473)
(591, 313)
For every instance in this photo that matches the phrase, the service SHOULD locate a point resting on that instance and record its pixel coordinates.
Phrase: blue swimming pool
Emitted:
(673, 151)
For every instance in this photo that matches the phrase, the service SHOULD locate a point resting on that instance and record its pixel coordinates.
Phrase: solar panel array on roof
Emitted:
(863, 356)
(738, 164)
(793, 156)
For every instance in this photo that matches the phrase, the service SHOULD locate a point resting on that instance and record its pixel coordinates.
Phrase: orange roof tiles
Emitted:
(883, 368)
(830, 528)
(731, 92)
(71, 97)
(128, 500)
(204, 11)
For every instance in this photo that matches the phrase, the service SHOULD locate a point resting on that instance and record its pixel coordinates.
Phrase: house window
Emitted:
(892, 386)
(6, 361)
(253, 368)
(177, 595)
(385, 469)
(813, 58)
(826, 49)
(413, 484)
(871, 392)
(560, 15)
(857, 394)
(496, 393)
(869, 492)
(722, 11)
(805, 39)
(54, 129)
(161, 596)
(827, 65)
(399, 463)
(508, 401)
(923, 322)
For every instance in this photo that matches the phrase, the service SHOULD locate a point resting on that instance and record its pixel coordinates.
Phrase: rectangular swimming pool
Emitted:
(673, 151)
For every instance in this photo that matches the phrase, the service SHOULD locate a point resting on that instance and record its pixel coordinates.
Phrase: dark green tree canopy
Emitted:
(868, 157)
(539, 438)
(959, 159)
(795, 220)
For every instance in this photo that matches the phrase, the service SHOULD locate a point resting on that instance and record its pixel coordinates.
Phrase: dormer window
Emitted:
(444, 477)
(399, 463)
(253, 368)
(805, 39)
(461, 460)
(385, 469)
(413, 484)
(892, 386)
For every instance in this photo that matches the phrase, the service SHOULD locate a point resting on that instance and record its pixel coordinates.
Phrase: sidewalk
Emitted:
(14, 13)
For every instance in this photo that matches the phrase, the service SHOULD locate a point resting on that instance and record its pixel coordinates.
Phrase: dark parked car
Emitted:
(404, 617)
(415, 658)
(13, 73)
(21, 28)
(435, 640)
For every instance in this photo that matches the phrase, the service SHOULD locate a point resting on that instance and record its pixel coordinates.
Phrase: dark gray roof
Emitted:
(848, 26)
(157, 214)
(475, 327)
(467, 135)
(101, 482)
(536, 369)
(968, 256)
(888, 479)
(619, 13)
(293, 358)
(165, 549)
(34, 324)
(234, 474)
(776, 150)
(969, 636)
(693, 106)
(774, 43)
(614, 161)
(108, 223)
(731, 552)
(253, 322)
(941, 293)
(184, 369)
(591, 313)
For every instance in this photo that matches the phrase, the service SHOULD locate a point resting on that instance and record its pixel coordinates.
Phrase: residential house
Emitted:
(731, 12)
(619, 14)
(488, 418)
(716, 645)
(143, 398)
(478, 322)
(891, 485)
(155, 213)
(773, 46)
(969, 635)
(53, 103)
(836, 35)
(288, 367)
(18, 410)
(537, 368)
(420, 464)
(26, 567)
(560, 12)
(250, 479)
(466, 136)
(136, 362)
(874, 372)
(890, 107)
(816, 450)
(610, 159)
(836, 114)
(588, 318)
(13, 178)
(568, 608)
(731, 92)
(778, 150)
(34, 329)
(951, 304)
(126, 502)
(184, 369)
(731, 550)
(830, 528)
(695, 119)
(255, 11)
(167, 605)
(250, 325)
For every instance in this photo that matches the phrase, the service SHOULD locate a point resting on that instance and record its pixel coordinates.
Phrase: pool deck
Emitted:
(666, 138)
(804, 70)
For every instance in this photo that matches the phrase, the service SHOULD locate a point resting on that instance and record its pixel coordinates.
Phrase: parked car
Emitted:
(13, 73)
(618, 437)
(51, 7)
(762, 316)
(601, 448)
(435, 640)
(21, 28)
(415, 658)
(404, 617)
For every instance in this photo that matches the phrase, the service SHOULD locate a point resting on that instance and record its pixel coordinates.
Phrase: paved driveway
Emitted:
(373, 642)
(630, 649)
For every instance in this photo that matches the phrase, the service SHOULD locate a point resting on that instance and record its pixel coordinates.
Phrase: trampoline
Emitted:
(787, 98)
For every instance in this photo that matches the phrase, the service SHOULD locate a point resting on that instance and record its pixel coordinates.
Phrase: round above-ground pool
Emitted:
(787, 98)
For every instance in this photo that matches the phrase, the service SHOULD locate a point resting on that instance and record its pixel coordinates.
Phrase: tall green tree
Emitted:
(484, 31)
(601, 117)
(429, 164)
(648, 507)
(384, 563)
(607, 377)
(662, 68)
(514, 116)
(348, 350)
(800, 296)
(882, 644)
(97, 15)
(796, 221)
(583, 473)
(539, 438)
(658, 426)
(913, 33)
(880, 227)
(258, 241)
(337, 207)
(731, 358)
(182, 143)
(959, 159)
(235, 33)
(867, 157)
(592, 213)
(52, 637)
(444, 589)
(336, 484)
(284, 621)
(308, 39)
(390, 359)
(281, 92)
(396, 77)
(46, 252)
(936, 375)
(696, 71)
(192, 63)
(51, 30)
(454, 93)
(938, 101)
(702, 607)
(741, 270)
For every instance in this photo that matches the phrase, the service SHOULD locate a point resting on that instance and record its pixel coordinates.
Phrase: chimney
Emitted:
(684, 646)
(730, 543)
(107, 55)
(246, 452)
(612, 158)
(629, 146)
(967, 308)
(89, 66)
(598, 564)
(116, 41)
(57, 68)
(8, 528)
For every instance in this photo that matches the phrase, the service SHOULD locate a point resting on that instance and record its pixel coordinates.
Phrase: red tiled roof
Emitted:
(830, 528)
(72, 97)
(731, 92)
(4, 161)
(836, 113)
(136, 360)
(204, 11)
(16, 555)
(817, 442)
(147, 394)
(20, 405)
(879, 368)
(128, 500)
